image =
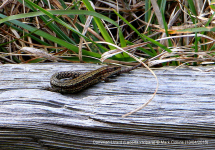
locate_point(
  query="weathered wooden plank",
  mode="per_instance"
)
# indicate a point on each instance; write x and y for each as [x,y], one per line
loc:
[183,109]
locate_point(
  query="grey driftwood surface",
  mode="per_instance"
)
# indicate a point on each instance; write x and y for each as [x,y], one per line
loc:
[180,116]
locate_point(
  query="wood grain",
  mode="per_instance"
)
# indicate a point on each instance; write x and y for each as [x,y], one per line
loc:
[183,110]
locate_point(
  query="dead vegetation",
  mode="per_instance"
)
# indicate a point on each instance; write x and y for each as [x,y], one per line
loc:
[183,28]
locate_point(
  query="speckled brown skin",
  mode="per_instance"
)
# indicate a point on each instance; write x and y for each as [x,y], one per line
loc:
[73,82]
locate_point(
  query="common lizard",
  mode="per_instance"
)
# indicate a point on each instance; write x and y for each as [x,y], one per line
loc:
[73,82]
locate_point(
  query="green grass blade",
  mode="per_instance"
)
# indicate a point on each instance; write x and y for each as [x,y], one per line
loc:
[192,7]
[144,37]
[99,24]
[52,38]
[53,27]
[163,5]
[59,12]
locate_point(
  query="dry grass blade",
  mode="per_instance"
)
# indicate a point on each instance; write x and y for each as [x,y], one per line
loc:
[157,12]
[38,53]
[88,22]
[176,50]
[5,2]
[141,107]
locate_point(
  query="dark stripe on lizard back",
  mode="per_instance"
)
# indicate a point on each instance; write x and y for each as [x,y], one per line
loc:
[73,82]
